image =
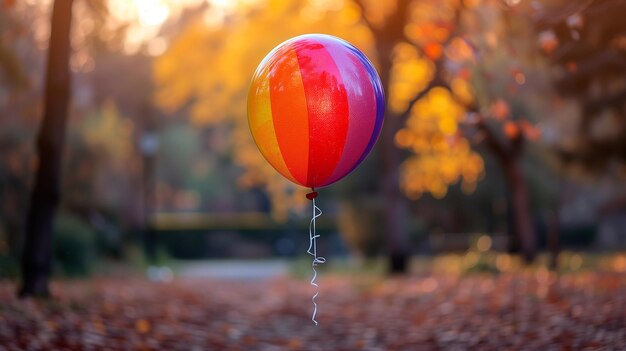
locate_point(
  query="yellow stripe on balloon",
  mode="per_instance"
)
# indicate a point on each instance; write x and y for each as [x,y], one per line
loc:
[290,114]
[262,126]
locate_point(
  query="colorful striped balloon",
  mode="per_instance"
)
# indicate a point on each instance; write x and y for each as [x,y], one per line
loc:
[315,108]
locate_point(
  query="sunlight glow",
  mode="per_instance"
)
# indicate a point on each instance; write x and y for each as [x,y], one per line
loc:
[144,18]
[152,12]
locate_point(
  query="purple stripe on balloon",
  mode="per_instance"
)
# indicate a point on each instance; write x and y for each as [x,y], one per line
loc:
[380,102]
[362,113]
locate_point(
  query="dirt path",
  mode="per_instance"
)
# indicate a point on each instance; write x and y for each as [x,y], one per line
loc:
[515,312]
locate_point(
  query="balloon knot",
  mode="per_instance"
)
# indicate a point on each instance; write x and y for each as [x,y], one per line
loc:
[312,195]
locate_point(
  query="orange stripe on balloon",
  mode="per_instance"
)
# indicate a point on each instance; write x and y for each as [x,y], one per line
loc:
[289,111]
[262,125]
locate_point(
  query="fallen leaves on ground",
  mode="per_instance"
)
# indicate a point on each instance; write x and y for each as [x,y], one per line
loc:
[518,311]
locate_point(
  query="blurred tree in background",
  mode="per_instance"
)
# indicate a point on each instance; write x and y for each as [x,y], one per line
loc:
[585,40]
[37,256]
[100,144]
[17,51]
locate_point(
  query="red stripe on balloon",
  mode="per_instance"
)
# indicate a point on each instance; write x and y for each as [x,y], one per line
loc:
[289,113]
[327,105]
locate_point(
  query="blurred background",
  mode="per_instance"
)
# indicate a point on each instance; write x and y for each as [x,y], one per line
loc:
[504,135]
[491,212]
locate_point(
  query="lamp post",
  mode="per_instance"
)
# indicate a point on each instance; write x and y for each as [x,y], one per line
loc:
[149,145]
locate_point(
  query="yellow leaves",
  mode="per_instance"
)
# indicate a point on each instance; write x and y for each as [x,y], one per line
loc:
[435,172]
[208,68]
[409,75]
[421,174]
[110,132]
[186,70]
[474,168]
[447,126]
[436,113]
[462,91]
[351,14]
[442,156]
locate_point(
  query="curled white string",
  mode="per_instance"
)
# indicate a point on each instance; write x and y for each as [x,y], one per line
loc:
[316,259]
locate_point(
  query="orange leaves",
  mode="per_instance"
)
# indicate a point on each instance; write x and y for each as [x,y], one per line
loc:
[548,41]
[514,129]
[404,138]
[571,66]
[531,132]
[433,50]
[619,264]
[500,110]
[444,306]
[377,12]
[142,326]
[294,344]
[8,3]
[519,77]
[426,32]
[511,130]
[430,21]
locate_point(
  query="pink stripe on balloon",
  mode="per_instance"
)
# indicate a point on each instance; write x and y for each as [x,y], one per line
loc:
[362,112]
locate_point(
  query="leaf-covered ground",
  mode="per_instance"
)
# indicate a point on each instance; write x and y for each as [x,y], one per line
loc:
[520,311]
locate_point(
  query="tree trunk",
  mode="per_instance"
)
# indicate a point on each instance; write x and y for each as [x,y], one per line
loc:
[37,254]
[520,213]
[395,205]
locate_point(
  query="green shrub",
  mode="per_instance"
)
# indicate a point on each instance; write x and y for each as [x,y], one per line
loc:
[9,267]
[73,246]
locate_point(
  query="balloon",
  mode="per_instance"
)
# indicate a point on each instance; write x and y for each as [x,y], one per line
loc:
[315,108]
